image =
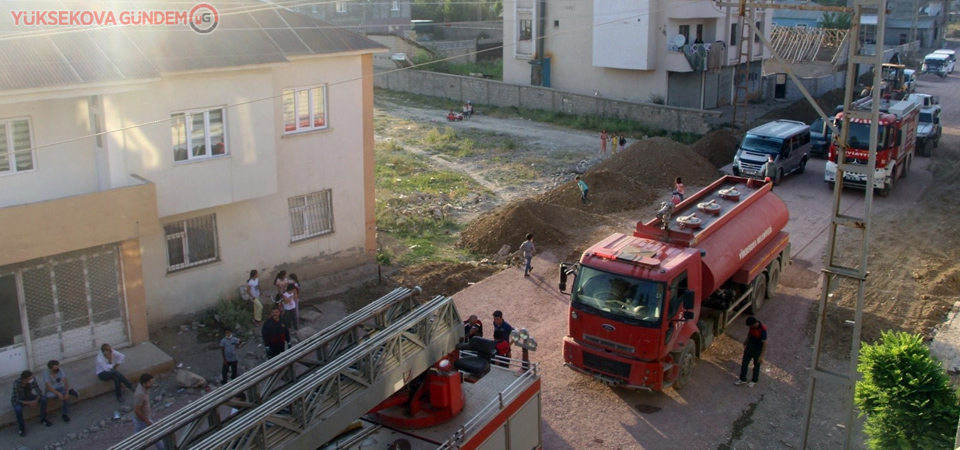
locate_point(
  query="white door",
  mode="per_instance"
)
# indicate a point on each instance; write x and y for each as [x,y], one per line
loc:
[13,352]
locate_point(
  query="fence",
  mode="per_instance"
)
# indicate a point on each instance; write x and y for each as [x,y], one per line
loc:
[498,93]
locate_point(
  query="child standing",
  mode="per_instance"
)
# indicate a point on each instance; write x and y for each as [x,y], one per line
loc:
[228,349]
[623,142]
[583,190]
[603,141]
[678,188]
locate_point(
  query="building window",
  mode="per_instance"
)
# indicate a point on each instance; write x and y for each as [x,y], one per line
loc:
[198,134]
[799,25]
[341,7]
[526,30]
[734,37]
[757,31]
[396,6]
[94,107]
[191,242]
[304,109]
[685,32]
[313,9]
[16,149]
[311,215]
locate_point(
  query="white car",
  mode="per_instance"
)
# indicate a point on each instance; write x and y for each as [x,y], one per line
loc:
[937,63]
[952,54]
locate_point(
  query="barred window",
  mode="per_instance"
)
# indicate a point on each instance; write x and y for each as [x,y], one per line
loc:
[311,215]
[526,29]
[304,109]
[16,150]
[198,134]
[191,242]
[341,7]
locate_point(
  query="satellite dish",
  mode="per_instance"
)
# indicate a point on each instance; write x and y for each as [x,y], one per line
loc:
[679,40]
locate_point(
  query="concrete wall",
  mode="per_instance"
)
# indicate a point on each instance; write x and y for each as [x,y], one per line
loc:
[489,92]
[816,86]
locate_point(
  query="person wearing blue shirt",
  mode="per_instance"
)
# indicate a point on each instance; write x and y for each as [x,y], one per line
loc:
[583,190]
[500,324]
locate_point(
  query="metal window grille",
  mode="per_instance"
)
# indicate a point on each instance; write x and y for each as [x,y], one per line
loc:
[74,302]
[16,154]
[311,215]
[191,242]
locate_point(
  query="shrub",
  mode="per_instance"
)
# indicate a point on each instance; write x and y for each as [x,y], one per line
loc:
[234,312]
[906,395]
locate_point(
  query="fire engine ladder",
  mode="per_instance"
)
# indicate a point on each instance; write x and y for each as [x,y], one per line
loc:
[842,265]
[276,376]
[319,407]
[742,76]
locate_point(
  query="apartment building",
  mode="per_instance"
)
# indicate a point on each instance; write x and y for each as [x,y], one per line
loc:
[681,52]
[250,147]
[382,16]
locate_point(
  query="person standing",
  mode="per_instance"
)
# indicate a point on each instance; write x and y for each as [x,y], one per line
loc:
[275,334]
[472,327]
[26,392]
[228,350]
[528,250]
[107,363]
[141,406]
[753,349]
[623,142]
[58,386]
[253,290]
[281,283]
[500,324]
[295,282]
[469,113]
[678,188]
[603,141]
[583,190]
[289,303]
[770,171]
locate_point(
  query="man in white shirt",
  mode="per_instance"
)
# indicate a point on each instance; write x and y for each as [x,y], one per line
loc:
[107,363]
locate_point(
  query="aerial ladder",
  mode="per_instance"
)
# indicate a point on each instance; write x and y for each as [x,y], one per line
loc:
[396,357]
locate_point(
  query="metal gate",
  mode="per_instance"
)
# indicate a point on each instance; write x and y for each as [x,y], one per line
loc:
[74,302]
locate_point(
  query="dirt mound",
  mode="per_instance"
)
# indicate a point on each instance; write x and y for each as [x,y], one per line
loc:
[444,278]
[656,162]
[718,147]
[610,192]
[551,224]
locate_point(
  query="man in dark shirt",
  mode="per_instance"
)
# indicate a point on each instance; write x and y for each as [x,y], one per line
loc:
[500,324]
[753,348]
[275,334]
[472,327]
[26,392]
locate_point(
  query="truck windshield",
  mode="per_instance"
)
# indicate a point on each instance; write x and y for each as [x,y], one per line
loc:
[759,144]
[860,136]
[633,301]
[926,117]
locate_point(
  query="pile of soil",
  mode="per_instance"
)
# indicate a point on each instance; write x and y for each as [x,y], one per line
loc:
[610,192]
[550,223]
[718,147]
[443,278]
[658,161]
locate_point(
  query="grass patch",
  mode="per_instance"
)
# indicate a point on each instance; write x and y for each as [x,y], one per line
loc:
[489,69]
[630,128]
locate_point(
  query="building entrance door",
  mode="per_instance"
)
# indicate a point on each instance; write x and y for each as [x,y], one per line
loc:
[13,351]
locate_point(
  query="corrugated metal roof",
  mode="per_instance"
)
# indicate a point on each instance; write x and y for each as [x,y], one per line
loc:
[249,33]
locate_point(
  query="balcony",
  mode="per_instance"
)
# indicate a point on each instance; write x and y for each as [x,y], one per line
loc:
[676,60]
[80,221]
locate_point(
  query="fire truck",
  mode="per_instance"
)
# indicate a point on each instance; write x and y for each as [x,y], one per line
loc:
[896,144]
[644,307]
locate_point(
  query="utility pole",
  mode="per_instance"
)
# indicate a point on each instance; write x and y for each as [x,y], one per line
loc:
[913,27]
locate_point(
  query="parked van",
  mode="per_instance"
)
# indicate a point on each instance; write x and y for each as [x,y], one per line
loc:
[788,141]
[952,56]
[820,135]
[938,64]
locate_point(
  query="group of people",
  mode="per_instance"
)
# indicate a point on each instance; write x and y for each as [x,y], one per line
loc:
[473,327]
[466,114]
[287,297]
[617,140]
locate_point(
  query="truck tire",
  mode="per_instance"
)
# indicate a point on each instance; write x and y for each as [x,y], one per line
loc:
[803,166]
[887,187]
[759,293]
[926,149]
[773,275]
[686,360]
[906,166]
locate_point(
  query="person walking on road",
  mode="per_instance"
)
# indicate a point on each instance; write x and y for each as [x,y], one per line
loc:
[57,385]
[275,334]
[141,406]
[622,141]
[769,171]
[108,361]
[253,291]
[753,349]
[528,250]
[583,190]
[26,392]
[228,350]
[603,141]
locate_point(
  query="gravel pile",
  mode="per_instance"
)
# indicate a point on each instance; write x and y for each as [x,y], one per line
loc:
[718,147]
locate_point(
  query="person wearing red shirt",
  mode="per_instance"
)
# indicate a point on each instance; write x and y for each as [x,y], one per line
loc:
[753,349]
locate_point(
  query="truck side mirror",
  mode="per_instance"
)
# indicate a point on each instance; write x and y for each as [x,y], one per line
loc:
[688,300]
[688,315]
[565,270]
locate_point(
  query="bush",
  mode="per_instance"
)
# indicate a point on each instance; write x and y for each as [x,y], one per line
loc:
[906,395]
[234,312]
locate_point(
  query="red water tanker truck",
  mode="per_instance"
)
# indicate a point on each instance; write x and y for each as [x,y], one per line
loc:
[643,307]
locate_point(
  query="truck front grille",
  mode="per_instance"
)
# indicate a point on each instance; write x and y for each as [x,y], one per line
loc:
[606,343]
[605,365]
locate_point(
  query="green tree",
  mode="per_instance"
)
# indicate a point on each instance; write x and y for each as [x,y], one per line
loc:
[835,20]
[906,396]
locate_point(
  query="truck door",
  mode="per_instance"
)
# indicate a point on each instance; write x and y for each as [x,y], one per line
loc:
[678,286]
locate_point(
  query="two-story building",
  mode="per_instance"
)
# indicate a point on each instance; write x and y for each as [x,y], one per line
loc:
[634,50]
[144,171]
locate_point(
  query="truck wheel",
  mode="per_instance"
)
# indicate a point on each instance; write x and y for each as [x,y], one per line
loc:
[906,167]
[686,361]
[927,149]
[773,273]
[887,187]
[759,293]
